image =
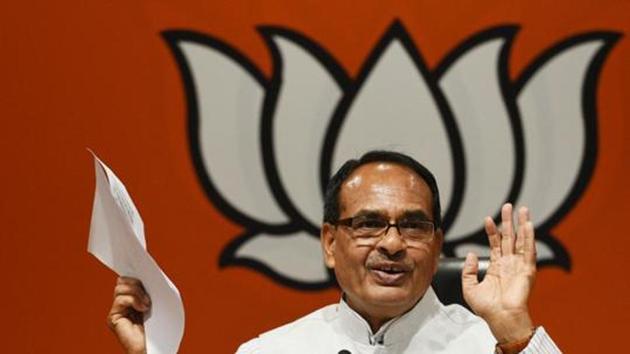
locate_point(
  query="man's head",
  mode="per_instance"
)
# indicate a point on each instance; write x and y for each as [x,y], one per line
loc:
[387,274]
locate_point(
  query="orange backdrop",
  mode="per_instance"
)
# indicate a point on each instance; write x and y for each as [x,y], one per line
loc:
[98,74]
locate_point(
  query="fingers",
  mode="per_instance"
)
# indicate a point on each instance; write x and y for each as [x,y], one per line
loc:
[525,240]
[523,219]
[130,301]
[493,238]
[125,302]
[529,243]
[507,230]
[133,287]
[505,241]
[469,272]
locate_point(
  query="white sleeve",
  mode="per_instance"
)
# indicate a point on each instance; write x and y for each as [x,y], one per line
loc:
[541,343]
[250,347]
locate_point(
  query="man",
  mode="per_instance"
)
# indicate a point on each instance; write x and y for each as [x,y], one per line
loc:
[382,236]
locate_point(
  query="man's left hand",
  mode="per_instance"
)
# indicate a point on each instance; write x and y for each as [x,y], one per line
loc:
[501,298]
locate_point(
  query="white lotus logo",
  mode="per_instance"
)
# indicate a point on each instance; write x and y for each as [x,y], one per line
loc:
[264,146]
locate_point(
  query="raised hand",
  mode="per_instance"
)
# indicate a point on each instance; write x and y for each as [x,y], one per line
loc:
[501,298]
[126,316]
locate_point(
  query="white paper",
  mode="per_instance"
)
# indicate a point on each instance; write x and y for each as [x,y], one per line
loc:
[117,240]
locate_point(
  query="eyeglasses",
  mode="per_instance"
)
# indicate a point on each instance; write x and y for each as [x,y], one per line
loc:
[370,230]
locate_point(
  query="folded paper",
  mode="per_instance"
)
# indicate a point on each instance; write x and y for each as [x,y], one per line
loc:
[117,240]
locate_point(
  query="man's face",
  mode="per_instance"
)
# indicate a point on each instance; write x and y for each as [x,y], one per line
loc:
[389,277]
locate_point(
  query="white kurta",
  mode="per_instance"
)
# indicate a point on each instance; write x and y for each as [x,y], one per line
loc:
[430,327]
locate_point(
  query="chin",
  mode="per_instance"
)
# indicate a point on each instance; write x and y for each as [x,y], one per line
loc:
[393,297]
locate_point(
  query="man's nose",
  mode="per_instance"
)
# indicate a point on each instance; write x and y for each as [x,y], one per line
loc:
[392,243]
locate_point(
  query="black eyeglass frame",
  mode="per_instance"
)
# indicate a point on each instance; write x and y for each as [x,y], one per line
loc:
[348,223]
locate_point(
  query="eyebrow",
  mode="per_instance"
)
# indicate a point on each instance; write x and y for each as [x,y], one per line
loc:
[370,213]
[415,214]
[409,214]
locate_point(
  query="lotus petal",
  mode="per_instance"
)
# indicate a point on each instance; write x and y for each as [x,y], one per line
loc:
[306,99]
[543,251]
[554,128]
[394,108]
[297,257]
[480,250]
[473,88]
[229,100]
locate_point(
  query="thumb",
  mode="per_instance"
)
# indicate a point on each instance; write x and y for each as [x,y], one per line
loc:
[469,272]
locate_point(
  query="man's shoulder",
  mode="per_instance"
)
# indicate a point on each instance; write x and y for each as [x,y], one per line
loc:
[318,318]
[299,331]
[460,324]
[457,314]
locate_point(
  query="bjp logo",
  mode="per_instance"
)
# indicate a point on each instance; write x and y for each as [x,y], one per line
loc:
[264,147]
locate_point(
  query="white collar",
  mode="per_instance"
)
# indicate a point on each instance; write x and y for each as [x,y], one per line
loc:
[399,329]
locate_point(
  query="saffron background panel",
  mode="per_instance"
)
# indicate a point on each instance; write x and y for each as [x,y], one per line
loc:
[100,75]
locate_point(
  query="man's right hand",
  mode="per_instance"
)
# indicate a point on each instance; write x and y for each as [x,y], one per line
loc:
[126,318]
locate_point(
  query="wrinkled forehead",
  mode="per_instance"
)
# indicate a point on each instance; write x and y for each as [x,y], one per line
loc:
[385,186]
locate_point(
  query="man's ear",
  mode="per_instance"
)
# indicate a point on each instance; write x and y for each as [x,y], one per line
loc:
[437,250]
[328,240]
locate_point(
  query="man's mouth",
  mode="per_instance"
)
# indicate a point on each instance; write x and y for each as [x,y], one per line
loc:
[388,274]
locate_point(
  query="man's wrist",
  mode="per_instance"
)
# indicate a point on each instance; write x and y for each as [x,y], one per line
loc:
[516,346]
[511,327]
